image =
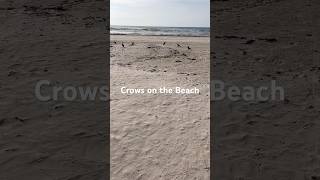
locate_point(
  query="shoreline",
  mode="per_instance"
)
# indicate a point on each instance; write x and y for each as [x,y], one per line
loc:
[158,35]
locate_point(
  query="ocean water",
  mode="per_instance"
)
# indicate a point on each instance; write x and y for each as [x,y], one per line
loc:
[160,31]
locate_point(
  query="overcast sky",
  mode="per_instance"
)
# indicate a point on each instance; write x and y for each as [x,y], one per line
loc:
[176,13]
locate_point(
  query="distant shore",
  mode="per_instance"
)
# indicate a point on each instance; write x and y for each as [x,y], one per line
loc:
[157,35]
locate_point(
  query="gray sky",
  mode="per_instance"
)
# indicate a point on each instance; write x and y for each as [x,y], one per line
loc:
[176,13]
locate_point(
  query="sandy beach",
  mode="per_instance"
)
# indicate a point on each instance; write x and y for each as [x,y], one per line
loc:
[63,42]
[158,136]
[253,43]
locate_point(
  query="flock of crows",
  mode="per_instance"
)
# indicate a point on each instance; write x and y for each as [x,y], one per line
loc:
[164,43]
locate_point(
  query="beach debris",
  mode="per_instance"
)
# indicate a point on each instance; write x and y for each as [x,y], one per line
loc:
[178,61]
[251,122]
[286,101]
[229,37]
[244,52]
[11,149]
[2,121]
[310,107]
[20,119]
[183,73]
[178,45]
[58,106]
[315,68]
[81,133]
[39,159]
[250,41]
[11,73]
[132,44]
[270,40]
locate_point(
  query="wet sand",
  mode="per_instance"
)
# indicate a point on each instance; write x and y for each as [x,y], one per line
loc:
[253,43]
[63,42]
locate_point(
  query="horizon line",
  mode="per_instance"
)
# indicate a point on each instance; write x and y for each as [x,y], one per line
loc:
[162,26]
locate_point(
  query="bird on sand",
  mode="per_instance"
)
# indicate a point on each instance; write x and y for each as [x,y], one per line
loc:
[132,44]
[178,45]
[164,43]
[115,42]
[189,47]
[122,45]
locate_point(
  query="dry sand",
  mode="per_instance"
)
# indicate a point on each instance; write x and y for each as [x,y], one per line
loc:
[159,136]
